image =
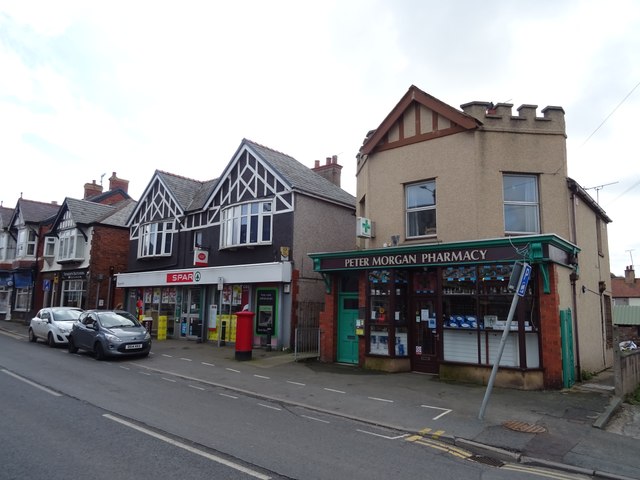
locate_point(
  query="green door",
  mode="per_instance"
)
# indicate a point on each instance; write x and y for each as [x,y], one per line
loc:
[347,338]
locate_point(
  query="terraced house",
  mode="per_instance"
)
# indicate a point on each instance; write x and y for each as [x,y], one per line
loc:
[201,251]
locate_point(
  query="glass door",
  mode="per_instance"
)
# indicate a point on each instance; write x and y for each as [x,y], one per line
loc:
[425,327]
[191,318]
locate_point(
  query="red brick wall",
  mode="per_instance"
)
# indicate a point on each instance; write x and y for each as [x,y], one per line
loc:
[551,343]
[329,324]
[109,248]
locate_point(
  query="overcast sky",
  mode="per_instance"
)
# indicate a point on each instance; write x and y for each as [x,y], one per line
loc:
[92,88]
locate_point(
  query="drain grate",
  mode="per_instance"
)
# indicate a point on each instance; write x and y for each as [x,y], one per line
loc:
[523,427]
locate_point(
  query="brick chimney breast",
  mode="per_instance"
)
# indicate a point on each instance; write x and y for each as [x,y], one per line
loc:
[330,170]
[91,190]
[629,275]
[115,183]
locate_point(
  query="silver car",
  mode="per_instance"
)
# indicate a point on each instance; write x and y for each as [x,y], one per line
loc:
[109,333]
[53,324]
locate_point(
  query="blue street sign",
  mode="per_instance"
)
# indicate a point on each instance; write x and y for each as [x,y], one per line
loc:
[524,280]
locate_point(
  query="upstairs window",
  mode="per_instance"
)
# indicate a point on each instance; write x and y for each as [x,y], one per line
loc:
[246,224]
[49,247]
[7,247]
[156,239]
[521,205]
[26,243]
[71,246]
[421,209]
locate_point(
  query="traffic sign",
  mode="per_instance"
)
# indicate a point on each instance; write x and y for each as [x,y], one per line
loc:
[524,279]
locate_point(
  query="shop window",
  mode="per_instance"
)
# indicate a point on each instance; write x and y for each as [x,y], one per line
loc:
[521,205]
[23,299]
[72,293]
[156,239]
[421,209]
[476,305]
[246,224]
[387,332]
[4,299]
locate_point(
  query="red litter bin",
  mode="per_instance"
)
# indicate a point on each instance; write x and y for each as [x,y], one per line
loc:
[244,335]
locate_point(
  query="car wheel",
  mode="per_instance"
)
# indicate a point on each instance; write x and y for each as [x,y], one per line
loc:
[72,346]
[50,340]
[99,351]
[32,336]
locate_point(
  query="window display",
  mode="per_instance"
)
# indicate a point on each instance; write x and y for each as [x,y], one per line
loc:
[388,313]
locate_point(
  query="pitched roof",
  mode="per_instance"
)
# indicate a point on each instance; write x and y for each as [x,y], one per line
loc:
[87,212]
[5,216]
[621,289]
[35,212]
[460,121]
[190,194]
[299,177]
[626,315]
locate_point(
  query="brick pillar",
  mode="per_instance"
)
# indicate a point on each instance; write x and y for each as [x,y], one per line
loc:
[329,324]
[550,342]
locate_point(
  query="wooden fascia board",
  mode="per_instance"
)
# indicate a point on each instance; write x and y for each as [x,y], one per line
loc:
[416,95]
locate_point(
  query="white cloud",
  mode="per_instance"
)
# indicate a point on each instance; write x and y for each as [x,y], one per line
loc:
[136,86]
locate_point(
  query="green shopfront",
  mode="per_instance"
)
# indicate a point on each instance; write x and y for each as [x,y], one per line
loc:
[442,309]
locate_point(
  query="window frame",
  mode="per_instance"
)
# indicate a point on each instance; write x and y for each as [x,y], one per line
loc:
[49,247]
[239,222]
[162,245]
[522,205]
[23,296]
[417,210]
[27,243]
[70,246]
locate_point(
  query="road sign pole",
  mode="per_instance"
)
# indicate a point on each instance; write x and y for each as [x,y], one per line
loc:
[522,286]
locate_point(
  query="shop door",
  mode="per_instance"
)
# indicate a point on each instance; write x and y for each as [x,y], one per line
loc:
[191,318]
[424,335]
[347,337]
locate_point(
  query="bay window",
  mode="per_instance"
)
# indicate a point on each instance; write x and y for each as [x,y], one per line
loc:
[246,224]
[71,246]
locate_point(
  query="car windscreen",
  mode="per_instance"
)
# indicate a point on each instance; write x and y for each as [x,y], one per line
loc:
[66,315]
[114,320]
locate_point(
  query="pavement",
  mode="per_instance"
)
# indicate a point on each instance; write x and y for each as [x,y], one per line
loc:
[585,430]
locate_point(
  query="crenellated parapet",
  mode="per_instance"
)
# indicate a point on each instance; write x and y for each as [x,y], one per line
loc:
[500,117]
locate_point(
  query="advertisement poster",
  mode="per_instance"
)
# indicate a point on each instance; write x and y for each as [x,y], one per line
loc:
[266,311]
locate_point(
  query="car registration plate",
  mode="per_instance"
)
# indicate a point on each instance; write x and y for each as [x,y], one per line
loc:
[133,346]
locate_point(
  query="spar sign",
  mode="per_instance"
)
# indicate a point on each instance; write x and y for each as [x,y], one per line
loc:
[183,277]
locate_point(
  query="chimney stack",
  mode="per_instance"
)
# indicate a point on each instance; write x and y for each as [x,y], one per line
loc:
[115,183]
[629,275]
[330,170]
[92,189]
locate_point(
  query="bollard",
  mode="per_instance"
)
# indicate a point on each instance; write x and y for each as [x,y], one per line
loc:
[223,334]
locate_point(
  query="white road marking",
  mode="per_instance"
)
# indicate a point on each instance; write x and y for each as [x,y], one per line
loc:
[33,384]
[383,436]
[444,411]
[169,379]
[168,356]
[297,383]
[233,370]
[333,390]
[145,373]
[189,448]
[124,368]
[229,396]
[316,419]
[186,359]
[269,406]
[380,399]
[196,387]
[262,376]
[208,364]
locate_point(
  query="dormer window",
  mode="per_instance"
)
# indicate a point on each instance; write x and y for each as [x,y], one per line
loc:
[246,225]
